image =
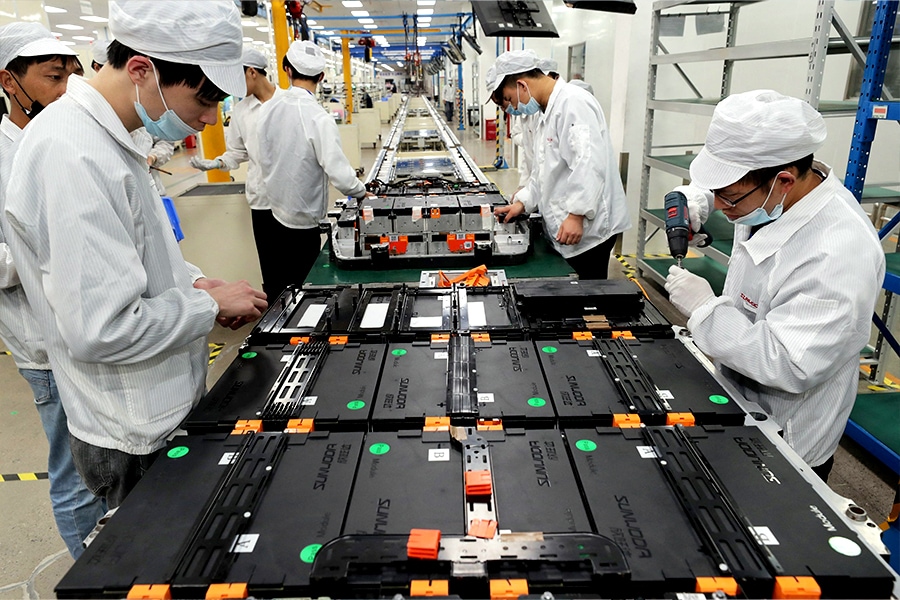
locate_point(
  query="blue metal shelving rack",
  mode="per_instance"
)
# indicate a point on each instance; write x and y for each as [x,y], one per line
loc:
[871,110]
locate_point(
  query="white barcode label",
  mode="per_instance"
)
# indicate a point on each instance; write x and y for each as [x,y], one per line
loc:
[438,454]
[245,542]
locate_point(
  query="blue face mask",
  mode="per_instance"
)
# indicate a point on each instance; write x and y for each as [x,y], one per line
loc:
[760,216]
[530,108]
[169,126]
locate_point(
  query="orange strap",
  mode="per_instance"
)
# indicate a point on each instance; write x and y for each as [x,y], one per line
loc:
[476,277]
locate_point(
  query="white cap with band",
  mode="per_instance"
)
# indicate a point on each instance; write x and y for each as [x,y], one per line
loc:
[206,33]
[28,39]
[254,58]
[98,51]
[511,63]
[306,58]
[755,130]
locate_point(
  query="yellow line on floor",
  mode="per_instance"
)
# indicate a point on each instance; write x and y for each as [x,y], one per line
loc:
[24,476]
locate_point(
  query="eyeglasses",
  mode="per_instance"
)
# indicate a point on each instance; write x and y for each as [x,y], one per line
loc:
[733,203]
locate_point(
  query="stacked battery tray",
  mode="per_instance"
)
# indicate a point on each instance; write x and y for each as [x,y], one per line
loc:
[541,438]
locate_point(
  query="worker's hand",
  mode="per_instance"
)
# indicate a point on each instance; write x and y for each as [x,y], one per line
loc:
[513,197]
[237,300]
[687,291]
[698,212]
[151,160]
[205,164]
[509,212]
[370,195]
[208,283]
[571,230]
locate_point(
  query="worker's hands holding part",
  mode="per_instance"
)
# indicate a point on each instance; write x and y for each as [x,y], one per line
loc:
[509,212]
[687,291]
[238,302]
[570,230]
[205,164]
[698,212]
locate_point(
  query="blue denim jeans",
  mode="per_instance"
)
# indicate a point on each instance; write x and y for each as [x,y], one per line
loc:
[75,508]
[109,473]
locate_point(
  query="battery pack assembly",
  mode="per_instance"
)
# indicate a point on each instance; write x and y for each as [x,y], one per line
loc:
[462,442]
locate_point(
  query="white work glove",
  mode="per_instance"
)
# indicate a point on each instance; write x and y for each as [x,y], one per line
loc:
[698,211]
[205,164]
[687,291]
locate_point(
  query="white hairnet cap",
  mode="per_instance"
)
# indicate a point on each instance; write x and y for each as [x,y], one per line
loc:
[306,58]
[98,51]
[206,33]
[511,63]
[28,39]
[254,58]
[548,65]
[755,130]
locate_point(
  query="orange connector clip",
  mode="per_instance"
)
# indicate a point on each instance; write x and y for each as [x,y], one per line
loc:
[429,588]
[483,528]
[161,591]
[297,340]
[338,340]
[489,425]
[711,585]
[481,338]
[579,336]
[247,426]
[440,339]
[478,483]
[626,421]
[299,426]
[623,334]
[508,589]
[437,424]
[796,587]
[686,419]
[218,591]
[423,543]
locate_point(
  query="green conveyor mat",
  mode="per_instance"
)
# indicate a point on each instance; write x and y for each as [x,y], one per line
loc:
[543,262]
[879,415]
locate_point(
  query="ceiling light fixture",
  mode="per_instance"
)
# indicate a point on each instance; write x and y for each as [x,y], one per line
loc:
[425,11]
[366,20]
[70,27]
[263,29]
[353,4]
[54,10]
[83,38]
[425,2]
[248,39]
[94,19]
[248,23]
[359,13]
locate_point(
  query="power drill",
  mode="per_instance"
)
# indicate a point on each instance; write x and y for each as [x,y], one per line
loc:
[678,226]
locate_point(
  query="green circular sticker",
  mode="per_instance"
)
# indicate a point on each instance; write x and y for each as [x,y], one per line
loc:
[586,445]
[398,352]
[248,355]
[178,451]
[379,448]
[549,349]
[355,404]
[309,553]
[537,402]
[13,412]
[716,399]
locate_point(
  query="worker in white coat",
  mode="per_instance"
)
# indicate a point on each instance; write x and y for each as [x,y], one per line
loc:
[124,319]
[242,145]
[578,81]
[300,152]
[33,72]
[98,54]
[576,184]
[448,95]
[522,130]
[805,270]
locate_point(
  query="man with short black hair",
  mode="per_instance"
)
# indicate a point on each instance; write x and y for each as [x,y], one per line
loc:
[242,145]
[34,69]
[124,316]
[300,152]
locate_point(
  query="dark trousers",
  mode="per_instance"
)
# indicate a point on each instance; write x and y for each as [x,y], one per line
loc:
[108,473]
[448,110]
[286,255]
[593,263]
[824,469]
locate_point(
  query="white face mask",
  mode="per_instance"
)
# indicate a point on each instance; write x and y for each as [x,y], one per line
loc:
[760,216]
[169,126]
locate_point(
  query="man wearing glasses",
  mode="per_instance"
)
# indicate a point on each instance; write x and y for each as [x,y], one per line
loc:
[805,270]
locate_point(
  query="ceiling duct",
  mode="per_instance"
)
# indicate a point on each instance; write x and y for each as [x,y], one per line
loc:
[626,7]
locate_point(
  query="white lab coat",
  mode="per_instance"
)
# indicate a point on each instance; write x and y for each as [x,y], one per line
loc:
[242,145]
[161,149]
[583,85]
[125,329]
[575,171]
[299,152]
[448,93]
[794,314]
[19,330]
